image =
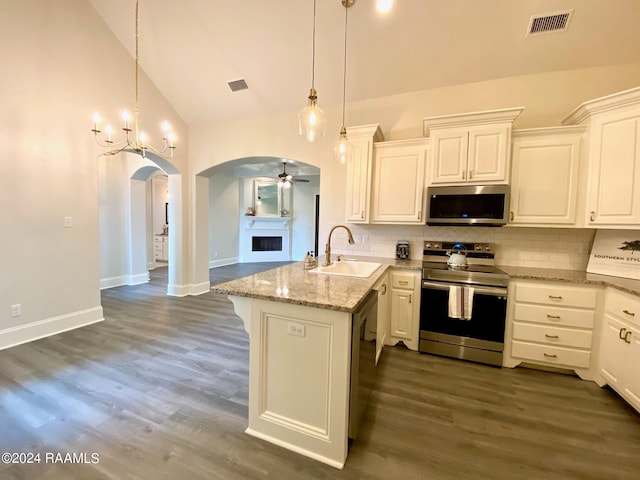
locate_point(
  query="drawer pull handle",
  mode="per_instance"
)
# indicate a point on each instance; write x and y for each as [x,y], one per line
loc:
[511,216]
[403,282]
[555,297]
[384,289]
[551,336]
[621,334]
[629,313]
[555,317]
[550,355]
[409,298]
[362,214]
[592,216]
[625,337]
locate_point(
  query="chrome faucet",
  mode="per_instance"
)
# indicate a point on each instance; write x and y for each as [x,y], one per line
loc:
[327,251]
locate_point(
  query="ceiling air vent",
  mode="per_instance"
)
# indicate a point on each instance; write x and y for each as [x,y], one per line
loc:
[550,22]
[236,85]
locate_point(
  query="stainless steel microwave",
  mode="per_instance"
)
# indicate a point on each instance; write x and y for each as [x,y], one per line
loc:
[479,205]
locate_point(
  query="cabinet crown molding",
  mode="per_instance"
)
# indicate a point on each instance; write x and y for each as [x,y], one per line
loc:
[470,119]
[366,131]
[545,131]
[603,104]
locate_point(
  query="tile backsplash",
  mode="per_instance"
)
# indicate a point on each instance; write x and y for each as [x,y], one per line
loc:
[565,248]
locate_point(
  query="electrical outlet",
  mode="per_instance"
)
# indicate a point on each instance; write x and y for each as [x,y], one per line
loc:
[296,329]
[215,254]
[68,222]
[357,238]
[365,239]
[16,310]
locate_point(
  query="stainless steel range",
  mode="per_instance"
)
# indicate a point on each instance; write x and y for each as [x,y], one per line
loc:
[464,302]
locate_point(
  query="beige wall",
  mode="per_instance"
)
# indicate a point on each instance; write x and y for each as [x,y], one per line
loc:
[60,64]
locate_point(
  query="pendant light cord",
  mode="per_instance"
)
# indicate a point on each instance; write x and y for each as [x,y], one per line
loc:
[313,47]
[344,73]
[137,107]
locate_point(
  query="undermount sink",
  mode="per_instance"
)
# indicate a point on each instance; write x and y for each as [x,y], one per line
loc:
[348,268]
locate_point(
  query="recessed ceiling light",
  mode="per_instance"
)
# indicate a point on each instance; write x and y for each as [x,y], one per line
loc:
[384,6]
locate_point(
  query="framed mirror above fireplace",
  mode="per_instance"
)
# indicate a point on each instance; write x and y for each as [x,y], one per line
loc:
[269,200]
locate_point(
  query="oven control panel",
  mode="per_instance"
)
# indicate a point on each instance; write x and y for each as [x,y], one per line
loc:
[435,247]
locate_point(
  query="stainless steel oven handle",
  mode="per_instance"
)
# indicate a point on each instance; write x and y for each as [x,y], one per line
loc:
[480,290]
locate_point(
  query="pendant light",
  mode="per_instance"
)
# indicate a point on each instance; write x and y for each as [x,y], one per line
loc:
[139,143]
[343,149]
[311,119]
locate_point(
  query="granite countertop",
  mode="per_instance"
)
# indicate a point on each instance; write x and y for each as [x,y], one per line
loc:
[293,284]
[627,285]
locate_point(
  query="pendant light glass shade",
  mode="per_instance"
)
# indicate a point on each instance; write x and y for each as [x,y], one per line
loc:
[312,119]
[343,149]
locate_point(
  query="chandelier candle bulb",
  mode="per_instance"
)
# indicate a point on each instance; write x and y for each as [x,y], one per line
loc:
[108,130]
[96,121]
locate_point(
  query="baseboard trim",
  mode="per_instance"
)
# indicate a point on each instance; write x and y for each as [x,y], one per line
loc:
[177,290]
[120,280]
[200,288]
[113,282]
[18,335]
[223,261]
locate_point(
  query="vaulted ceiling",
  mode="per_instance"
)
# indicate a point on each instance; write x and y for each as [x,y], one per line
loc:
[192,48]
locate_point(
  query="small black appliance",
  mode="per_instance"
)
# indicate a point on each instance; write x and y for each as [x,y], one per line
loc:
[402,250]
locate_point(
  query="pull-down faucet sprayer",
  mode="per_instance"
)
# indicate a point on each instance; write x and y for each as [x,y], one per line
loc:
[327,250]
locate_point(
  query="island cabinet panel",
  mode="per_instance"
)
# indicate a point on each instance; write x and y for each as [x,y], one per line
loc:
[552,324]
[620,345]
[299,377]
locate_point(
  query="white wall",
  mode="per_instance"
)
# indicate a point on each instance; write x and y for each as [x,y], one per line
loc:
[304,217]
[224,214]
[60,65]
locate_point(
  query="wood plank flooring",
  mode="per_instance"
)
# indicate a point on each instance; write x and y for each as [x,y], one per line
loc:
[159,391]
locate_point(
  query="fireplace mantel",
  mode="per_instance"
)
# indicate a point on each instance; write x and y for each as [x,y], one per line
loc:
[256,226]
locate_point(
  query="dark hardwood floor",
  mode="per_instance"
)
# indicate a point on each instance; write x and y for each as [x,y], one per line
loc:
[159,391]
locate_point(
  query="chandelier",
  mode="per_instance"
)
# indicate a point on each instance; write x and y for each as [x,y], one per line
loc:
[134,139]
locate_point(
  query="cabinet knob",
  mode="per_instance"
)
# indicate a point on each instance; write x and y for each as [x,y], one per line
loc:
[629,313]
[592,216]
[628,334]
[621,334]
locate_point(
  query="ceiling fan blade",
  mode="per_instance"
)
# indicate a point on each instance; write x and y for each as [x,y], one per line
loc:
[296,180]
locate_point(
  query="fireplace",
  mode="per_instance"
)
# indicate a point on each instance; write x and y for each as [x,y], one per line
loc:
[266,244]
[265,239]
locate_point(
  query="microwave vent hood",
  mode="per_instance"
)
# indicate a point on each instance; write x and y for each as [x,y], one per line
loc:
[474,206]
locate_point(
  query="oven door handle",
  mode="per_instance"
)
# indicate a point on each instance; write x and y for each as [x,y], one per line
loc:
[480,290]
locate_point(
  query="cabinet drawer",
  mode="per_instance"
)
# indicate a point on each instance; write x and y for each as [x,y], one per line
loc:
[553,355]
[623,305]
[403,280]
[558,316]
[559,295]
[552,335]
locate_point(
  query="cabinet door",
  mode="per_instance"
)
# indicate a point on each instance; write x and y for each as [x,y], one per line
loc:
[612,350]
[614,173]
[632,367]
[402,313]
[358,181]
[398,182]
[448,155]
[488,153]
[544,180]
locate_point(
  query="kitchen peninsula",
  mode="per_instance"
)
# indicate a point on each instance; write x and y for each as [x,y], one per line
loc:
[299,324]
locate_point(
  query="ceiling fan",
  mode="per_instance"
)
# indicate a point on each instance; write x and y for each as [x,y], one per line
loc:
[286,179]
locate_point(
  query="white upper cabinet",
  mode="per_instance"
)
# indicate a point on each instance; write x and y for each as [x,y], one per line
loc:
[359,172]
[613,188]
[545,173]
[398,182]
[472,148]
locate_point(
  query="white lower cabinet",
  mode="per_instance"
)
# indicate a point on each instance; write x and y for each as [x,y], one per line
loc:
[620,345]
[161,248]
[551,324]
[404,320]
